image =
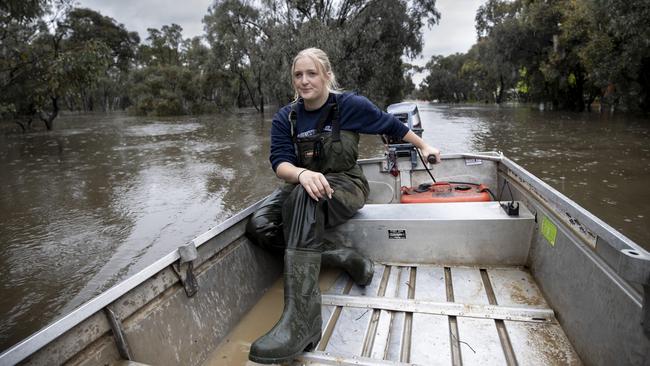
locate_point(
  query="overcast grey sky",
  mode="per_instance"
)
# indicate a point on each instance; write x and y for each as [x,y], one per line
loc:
[455,33]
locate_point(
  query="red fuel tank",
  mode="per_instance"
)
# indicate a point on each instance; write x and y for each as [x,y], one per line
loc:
[445,192]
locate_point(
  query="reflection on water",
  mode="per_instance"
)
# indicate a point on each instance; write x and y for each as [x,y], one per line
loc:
[99,198]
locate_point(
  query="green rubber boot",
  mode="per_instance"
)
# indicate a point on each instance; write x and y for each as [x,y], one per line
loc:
[360,268]
[299,327]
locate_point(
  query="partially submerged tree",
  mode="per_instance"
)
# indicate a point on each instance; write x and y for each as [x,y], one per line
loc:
[43,66]
[59,56]
[567,53]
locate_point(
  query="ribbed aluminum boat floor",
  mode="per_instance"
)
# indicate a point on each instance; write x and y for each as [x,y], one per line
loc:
[434,315]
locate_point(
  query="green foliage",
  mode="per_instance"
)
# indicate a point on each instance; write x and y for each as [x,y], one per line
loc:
[166,90]
[569,53]
[50,67]
[522,86]
[22,10]
[59,56]
[616,52]
[382,31]
[564,52]
[448,78]
[84,25]
[364,39]
[164,46]
[44,67]
[73,68]
[235,34]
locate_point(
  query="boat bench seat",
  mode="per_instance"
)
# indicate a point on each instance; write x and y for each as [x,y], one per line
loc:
[471,233]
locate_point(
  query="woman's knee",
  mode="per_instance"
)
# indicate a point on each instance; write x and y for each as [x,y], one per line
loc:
[265,225]
[254,227]
[265,232]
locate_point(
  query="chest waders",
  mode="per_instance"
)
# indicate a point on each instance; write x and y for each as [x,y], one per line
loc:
[290,220]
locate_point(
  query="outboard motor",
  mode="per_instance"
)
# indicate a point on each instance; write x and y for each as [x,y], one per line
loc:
[408,114]
[433,192]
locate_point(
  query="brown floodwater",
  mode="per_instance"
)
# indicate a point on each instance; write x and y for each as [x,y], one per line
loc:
[102,196]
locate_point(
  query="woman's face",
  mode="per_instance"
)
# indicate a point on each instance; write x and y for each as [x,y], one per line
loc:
[309,80]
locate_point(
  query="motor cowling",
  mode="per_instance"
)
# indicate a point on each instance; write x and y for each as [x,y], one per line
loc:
[408,114]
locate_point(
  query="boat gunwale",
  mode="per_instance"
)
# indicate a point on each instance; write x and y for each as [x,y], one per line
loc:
[485,155]
[562,202]
[610,249]
[52,331]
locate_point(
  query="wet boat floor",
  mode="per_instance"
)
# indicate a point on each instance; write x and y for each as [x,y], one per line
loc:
[421,314]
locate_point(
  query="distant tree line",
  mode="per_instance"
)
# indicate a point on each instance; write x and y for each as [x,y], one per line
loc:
[567,53]
[57,57]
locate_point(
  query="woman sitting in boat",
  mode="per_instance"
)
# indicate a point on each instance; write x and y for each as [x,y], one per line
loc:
[314,149]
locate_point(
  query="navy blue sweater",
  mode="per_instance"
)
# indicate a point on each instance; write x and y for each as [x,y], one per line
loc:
[356,113]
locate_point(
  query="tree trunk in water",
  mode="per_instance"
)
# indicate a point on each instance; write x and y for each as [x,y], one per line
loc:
[49,119]
[644,81]
[106,103]
[248,89]
[259,90]
[240,96]
[580,90]
[500,93]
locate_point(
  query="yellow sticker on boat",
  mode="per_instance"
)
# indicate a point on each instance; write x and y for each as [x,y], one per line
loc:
[549,230]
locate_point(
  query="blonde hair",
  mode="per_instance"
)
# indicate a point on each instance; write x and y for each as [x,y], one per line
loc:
[320,58]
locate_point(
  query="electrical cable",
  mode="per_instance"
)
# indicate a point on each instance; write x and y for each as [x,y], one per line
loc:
[425,164]
[505,184]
